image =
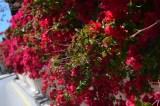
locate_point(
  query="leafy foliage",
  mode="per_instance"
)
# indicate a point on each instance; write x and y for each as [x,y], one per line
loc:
[84,50]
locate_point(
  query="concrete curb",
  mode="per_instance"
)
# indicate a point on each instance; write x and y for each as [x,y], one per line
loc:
[25,93]
[6,76]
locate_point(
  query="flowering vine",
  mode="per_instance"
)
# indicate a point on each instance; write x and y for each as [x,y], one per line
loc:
[88,52]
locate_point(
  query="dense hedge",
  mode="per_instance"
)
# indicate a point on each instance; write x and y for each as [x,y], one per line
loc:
[88,52]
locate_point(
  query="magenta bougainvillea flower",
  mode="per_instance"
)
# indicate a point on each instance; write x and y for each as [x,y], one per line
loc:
[88,52]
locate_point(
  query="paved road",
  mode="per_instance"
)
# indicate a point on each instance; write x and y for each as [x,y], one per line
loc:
[8,95]
[13,94]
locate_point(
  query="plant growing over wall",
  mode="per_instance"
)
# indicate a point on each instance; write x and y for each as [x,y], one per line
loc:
[90,52]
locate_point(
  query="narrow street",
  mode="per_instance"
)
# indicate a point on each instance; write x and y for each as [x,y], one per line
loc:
[17,93]
[9,94]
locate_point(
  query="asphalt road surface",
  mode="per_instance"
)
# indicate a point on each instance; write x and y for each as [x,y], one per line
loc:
[8,94]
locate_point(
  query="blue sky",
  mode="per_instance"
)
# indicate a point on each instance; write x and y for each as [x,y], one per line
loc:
[5,16]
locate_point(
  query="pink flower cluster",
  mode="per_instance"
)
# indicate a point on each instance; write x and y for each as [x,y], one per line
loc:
[86,51]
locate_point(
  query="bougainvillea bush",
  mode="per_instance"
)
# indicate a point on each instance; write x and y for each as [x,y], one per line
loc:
[88,52]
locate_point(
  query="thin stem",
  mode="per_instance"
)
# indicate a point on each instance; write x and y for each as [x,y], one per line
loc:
[154,102]
[144,29]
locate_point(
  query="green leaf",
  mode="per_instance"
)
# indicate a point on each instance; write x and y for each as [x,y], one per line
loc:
[140,103]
